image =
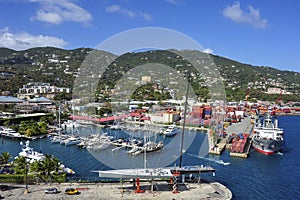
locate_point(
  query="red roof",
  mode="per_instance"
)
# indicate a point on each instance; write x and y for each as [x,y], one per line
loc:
[95,119]
[145,118]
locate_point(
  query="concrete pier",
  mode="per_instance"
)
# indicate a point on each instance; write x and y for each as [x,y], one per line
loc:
[125,190]
[244,126]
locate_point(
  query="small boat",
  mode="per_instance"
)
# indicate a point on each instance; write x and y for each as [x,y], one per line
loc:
[116,149]
[102,146]
[8,132]
[171,130]
[98,142]
[116,126]
[56,139]
[72,141]
[85,123]
[67,170]
[152,146]
[69,124]
[82,144]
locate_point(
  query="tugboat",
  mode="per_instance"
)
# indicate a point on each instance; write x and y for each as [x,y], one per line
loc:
[267,137]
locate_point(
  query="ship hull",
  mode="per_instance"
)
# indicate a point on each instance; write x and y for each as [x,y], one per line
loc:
[267,146]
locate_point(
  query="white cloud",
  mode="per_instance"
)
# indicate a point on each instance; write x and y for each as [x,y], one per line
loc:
[208,50]
[118,9]
[50,17]
[146,16]
[59,11]
[175,2]
[252,17]
[113,8]
[24,40]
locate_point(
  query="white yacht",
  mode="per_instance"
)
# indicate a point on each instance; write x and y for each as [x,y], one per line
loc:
[30,154]
[8,132]
[171,130]
[72,141]
[69,124]
[33,156]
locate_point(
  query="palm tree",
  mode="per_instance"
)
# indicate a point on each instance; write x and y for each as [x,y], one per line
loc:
[20,165]
[47,168]
[4,158]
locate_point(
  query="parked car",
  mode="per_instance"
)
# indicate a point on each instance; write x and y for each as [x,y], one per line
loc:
[4,187]
[72,191]
[52,190]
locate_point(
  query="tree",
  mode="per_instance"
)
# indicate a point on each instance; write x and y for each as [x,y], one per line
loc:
[4,158]
[20,165]
[46,169]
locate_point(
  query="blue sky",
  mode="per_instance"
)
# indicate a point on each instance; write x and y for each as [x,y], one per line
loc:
[263,33]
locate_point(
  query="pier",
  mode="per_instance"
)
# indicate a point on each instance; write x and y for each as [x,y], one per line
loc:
[245,126]
[123,190]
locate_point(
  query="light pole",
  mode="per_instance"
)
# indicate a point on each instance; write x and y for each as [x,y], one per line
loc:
[26,172]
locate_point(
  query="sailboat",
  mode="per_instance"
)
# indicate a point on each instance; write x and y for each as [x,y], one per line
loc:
[57,138]
[164,172]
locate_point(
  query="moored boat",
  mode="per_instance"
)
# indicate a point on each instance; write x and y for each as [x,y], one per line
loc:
[29,153]
[8,132]
[171,130]
[31,156]
[72,141]
[267,137]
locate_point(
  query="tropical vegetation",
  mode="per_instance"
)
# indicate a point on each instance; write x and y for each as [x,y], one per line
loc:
[46,170]
[34,65]
[4,158]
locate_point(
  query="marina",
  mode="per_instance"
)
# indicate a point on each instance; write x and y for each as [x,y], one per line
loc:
[123,100]
[224,164]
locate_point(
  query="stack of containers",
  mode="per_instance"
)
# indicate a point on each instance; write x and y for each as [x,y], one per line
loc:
[239,143]
[207,112]
[197,112]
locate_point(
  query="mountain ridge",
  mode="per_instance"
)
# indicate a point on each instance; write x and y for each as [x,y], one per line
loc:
[60,67]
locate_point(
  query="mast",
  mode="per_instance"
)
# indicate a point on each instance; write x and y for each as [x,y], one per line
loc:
[184,118]
[145,151]
[59,125]
[73,121]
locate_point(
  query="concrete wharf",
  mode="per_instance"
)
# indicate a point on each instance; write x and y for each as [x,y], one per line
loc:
[244,126]
[123,190]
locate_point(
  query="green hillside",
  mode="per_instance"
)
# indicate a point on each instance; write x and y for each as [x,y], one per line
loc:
[60,67]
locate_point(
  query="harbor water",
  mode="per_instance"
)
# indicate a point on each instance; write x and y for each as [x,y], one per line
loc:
[257,177]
